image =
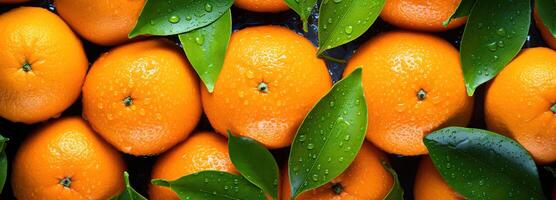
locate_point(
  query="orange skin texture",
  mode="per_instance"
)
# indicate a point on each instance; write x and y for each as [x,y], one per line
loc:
[202,151]
[262,5]
[518,103]
[545,33]
[364,179]
[421,15]
[166,102]
[283,60]
[429,184]
[13,1]
[104,22]
[67,148]
[396,66]
[39,38]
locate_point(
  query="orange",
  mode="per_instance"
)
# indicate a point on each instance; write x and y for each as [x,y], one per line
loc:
[42,65]
[104,22]
[270,80]
[364,179]
[66,160]
[545,33]
[520,103]
[13,1]
[429,184]
[262,5]
[413,85]
[142,97]
[421,15]
[202,151]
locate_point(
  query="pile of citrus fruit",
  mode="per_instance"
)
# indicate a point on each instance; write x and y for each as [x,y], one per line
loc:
[83,101]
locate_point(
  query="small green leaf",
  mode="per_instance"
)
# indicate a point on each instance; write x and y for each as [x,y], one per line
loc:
[178,16]
[206,48]
[129,193]
[343,21]
[303,8]
[255,163]
[547,13]
[214,185]
[495,32]
[330,136]
[3,162]
[479,164]
[396,192]
[464,8]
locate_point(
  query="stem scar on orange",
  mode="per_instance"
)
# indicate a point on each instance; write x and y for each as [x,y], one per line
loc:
[413,85]
[66,160]
[270,80]
[42,65]
[142,97]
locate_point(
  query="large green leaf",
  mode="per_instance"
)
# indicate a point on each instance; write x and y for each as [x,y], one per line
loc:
[547,12]
[396,192]
[480,164]
[255,163]
[303,8]
[214,185]
[341,21]
[330,136]
[464,8]
[206,48]
[129,193]
[495,32]
[171,17]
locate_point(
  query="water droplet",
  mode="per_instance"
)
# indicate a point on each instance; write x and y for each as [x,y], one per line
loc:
[208,7]
[310,146]
[315,177]
[492,46]
[346,138]
[348,29]
[331,104]
[337,1]
[174,19]
[199,40]
[501,32]
[301,138]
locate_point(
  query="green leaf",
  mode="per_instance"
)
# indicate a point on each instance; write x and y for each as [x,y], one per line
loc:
[464,8]
[3,162]
[206,48]
[396,192]
[495,32]
[547,13]
[129,193]
[343,21]
[330,136]
[214,185]
[303,8]
[255,163]
[479,164]
[160,17]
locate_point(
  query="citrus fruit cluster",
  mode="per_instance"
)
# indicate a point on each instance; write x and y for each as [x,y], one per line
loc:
[142,98]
